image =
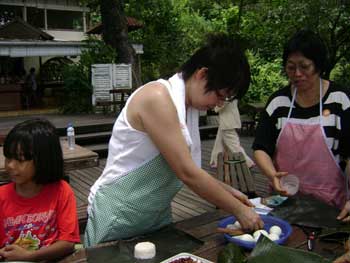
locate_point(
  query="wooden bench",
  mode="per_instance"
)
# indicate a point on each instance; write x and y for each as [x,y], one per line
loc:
[233,170]
[115,102]
[248,125]
[82,217]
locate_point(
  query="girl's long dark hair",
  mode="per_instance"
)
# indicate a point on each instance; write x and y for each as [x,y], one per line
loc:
[37,140]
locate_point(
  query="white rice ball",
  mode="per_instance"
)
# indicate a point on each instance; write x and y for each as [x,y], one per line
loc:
[232,226]
[237,225]
[273,237]
[257,234]
[245,237]
[144,250]
[275,230]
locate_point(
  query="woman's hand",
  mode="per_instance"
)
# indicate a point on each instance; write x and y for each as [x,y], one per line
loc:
[344,214]
[266,165]
[276,183]
[15,253]
[241,197]
[249,219]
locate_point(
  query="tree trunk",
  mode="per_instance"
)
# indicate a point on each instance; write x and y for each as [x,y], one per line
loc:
[115,32]
[240,11]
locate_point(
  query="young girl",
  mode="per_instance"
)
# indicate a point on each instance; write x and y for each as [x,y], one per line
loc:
[38,219]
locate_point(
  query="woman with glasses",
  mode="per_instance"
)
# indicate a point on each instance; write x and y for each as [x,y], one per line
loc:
[155,148]
[305,127]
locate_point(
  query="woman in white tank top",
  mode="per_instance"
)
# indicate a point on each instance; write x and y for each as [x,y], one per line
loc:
[155,148]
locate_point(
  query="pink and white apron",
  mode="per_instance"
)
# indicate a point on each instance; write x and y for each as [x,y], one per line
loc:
[302,150]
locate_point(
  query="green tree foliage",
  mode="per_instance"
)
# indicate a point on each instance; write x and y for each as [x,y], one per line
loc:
[341,73]
[268,25]
[159,36]
[77,90]
[267,77]
[174,29]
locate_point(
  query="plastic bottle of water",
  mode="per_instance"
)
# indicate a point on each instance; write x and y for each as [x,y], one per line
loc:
[71,136]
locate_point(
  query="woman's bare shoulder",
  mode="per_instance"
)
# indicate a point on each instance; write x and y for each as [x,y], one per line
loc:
[152,92]
[155,88]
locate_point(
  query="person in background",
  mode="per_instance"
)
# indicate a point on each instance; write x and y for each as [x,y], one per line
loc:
[38,219]
[32,88]
[155,148]
[227,136]
[305,127]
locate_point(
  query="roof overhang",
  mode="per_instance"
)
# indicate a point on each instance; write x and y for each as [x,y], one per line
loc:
[40,48]
[37,48]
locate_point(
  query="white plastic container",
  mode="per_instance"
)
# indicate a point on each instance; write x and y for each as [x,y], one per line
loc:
[290,183]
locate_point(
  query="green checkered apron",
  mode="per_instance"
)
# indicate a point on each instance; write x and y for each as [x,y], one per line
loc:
[134,204]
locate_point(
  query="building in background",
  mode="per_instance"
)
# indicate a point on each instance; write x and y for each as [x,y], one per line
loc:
[44,34]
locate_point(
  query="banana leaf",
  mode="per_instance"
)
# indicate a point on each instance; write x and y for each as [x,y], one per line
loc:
[305,210]
[267,251]
[231,254]
[339,234]
[169,241]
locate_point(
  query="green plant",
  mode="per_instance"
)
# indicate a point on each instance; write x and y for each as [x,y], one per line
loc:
[341,73]
[76,97]
[267,77]
[77,91]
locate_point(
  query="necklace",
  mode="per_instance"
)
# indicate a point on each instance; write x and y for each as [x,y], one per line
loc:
[311,97]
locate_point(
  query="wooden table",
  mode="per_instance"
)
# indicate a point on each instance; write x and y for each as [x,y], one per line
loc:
[10,97]
[204,227]
[78,158]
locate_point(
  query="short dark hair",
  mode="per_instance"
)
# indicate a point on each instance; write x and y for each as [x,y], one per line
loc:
[37,140]
[228,67]
[310,45]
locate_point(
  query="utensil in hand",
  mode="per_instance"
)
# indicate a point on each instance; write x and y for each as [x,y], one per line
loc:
[230,231]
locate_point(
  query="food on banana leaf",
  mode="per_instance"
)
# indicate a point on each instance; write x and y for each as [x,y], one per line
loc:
[267,251]
[257,234]
[275,230]
[273,237]
[245,237]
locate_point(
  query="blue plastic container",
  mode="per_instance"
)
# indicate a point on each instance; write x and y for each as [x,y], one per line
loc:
[269,221]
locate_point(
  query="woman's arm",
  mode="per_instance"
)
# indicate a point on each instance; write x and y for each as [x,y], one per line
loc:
[152,110]
[237,194]
[264,162]
[264,147]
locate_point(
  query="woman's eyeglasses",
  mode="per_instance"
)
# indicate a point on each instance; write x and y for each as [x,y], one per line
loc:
[224,97]
[303,67]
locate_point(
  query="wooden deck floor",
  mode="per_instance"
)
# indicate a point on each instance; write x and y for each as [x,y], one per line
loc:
[186,203]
